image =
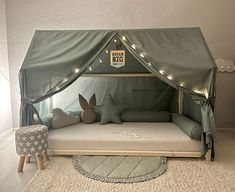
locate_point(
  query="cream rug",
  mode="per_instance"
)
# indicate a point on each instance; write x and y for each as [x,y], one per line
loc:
[182,175]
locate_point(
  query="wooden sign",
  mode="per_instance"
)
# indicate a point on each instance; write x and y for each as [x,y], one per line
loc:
[117,58]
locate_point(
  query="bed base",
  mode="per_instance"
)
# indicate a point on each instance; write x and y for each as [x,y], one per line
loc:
[130,153]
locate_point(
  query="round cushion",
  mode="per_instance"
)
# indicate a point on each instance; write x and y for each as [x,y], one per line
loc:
[31,140]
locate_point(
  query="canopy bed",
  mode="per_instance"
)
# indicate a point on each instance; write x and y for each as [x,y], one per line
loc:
[164,75]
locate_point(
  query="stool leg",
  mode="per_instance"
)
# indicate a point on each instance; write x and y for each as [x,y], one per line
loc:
[27,159]
[45,155]
[21,164]
[40,162]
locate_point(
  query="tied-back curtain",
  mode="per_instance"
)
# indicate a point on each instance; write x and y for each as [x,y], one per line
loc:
[178,56]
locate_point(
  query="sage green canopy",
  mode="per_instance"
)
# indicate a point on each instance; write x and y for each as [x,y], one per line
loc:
[177,56]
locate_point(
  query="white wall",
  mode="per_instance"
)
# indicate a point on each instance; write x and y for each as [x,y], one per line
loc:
[5,104]
[215,17]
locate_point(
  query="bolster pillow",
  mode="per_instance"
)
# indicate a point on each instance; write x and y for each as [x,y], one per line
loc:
[188,126]
[146,116]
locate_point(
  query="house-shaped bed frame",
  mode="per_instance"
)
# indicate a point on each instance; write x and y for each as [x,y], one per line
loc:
[178,56]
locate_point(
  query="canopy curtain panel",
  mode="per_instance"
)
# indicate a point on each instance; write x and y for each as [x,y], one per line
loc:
[178,56]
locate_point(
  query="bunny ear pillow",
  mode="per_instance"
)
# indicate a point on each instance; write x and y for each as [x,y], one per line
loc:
[88,115]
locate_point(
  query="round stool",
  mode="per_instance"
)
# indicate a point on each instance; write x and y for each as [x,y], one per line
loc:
[31,141]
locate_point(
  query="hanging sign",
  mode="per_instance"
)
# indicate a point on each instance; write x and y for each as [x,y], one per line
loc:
[117,58]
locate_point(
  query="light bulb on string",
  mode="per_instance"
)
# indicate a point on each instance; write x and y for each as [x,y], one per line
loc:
[181,84]
[76,70]
[142,55]
[115,41]
[162,72]
[106,51]
[123,38]
[170,77]
[100,60]
[133,46]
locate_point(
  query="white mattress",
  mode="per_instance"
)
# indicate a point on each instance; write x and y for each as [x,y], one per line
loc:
[127,136]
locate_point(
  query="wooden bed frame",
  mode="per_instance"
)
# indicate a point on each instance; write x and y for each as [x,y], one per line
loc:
[131,153]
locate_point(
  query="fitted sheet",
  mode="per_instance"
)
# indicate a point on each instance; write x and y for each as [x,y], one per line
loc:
[130,136]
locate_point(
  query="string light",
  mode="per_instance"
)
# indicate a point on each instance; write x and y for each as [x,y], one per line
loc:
[123,38]
[100,60]
[181,84]
[202,91]
[106,51]
[76,70]
[149,64]
[133,46]
[162,72]
[115,40]
[142,55]
[90,68]
[169,77]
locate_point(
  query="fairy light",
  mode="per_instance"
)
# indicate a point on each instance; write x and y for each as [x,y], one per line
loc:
[181,84]
[142,55]
[100,60]
[149,64]
[162,72]
[115,40]
[90,68]
[76,70]
[106,51]
[123,38]
[170,77]
[133,46]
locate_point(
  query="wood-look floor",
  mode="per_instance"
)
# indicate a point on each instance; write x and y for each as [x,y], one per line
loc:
[10,179]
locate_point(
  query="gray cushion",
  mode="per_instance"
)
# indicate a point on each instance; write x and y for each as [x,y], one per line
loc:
[188,126]
[146,116]
[110,112]
[61,119]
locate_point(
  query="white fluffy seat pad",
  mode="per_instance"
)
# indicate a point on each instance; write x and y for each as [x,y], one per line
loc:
[128,136]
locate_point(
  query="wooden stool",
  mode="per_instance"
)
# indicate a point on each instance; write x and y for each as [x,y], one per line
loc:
[31,141]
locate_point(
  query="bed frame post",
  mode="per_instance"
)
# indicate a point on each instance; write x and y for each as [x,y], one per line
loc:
[208,155]
[180,101]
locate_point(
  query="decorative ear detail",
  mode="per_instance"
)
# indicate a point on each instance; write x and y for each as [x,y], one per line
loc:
[92,101]
[89,114]
[83,102]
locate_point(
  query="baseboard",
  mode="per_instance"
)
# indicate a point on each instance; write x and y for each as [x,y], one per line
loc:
[8,132]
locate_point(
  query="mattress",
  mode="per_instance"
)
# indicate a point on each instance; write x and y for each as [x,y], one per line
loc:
[131,136]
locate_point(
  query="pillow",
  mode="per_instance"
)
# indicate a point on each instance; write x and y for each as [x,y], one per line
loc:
[110,112]
[61,119]
[146,116]
[88,115]
[188,126]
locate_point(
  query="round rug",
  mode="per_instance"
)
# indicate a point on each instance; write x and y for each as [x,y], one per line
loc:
[120,169]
